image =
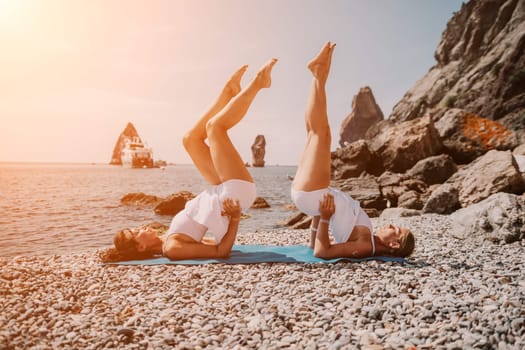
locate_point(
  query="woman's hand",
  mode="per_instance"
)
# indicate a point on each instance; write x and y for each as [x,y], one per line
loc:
[231,208]
[327,206]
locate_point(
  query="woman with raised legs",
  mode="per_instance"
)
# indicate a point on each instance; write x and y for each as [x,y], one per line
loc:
[334,210]
[217,209]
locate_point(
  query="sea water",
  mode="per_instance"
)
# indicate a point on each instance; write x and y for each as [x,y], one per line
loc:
[68,208]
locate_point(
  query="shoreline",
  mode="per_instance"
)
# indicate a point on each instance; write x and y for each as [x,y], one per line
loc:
[456,293]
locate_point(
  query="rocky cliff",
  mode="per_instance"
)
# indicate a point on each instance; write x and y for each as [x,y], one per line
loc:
[454,139]
[129,133]
[480,67]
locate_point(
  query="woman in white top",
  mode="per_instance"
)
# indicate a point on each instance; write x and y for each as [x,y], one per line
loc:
[351,228]
[218,209]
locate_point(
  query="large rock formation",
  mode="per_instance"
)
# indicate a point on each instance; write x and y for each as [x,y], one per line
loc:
[258,151]
[129,133]
[480,67]
[467,136]
[401,145]
[365,113]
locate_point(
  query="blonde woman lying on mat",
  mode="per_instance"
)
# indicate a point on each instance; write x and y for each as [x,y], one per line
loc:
[217,209]
[332,209]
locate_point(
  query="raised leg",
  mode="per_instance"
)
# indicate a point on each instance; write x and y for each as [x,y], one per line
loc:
[313,169]
[194,140]
[227,161]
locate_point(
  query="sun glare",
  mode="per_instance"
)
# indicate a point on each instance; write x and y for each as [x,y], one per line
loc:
[9,11]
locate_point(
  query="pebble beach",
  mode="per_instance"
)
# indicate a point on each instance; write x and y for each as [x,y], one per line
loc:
[453,294]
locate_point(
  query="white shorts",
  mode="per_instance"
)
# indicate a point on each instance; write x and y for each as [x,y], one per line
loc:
[348,212]
[206,208]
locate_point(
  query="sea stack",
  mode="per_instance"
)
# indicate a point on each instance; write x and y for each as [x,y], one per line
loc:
[258,151]
[130,151]
[365,113]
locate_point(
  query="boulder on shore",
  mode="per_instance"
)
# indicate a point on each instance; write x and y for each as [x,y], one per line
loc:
[401,145]
[498,218]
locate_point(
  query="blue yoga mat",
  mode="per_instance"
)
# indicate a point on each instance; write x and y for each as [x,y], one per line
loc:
[253,254]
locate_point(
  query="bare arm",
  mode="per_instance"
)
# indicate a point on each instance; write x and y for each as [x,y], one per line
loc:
[324,248]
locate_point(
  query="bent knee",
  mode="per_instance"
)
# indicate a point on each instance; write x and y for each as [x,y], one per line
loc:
[190,139]
[214,127]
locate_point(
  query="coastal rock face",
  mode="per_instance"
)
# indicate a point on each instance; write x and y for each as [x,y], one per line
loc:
[354,159]
[129,133]
[433,170]
[496,171]
[401,145]
[364,189]
[258,151]
[500,217]
[365,113]
[466,136]
[480,66]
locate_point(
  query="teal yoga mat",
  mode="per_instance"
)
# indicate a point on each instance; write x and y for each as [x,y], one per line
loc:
[254,254]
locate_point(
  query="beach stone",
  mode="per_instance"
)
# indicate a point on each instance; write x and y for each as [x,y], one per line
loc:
[173,203]
[443,200]
[433,170]
[498,218]
[495,171]
[401,145]
[393,213]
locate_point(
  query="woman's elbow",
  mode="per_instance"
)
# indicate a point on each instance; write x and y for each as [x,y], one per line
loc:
[320,252]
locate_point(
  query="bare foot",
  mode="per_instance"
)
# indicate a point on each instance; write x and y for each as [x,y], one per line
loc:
[233,86]
[263,78]
[320,65]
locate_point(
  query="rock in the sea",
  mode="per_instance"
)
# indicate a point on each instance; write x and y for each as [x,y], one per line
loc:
[259,151]
[500,217]
[401,145]
[480,66]
[365,113]
[129,133]
[467,136]
[433,170]
[443,200]
[140,199]
[260,203]
[496,171]
[174,203]
[354,159]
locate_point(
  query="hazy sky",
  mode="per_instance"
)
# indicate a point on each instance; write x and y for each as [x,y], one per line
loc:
[74,72]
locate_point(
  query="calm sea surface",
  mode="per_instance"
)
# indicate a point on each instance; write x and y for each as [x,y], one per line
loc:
[64,208]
